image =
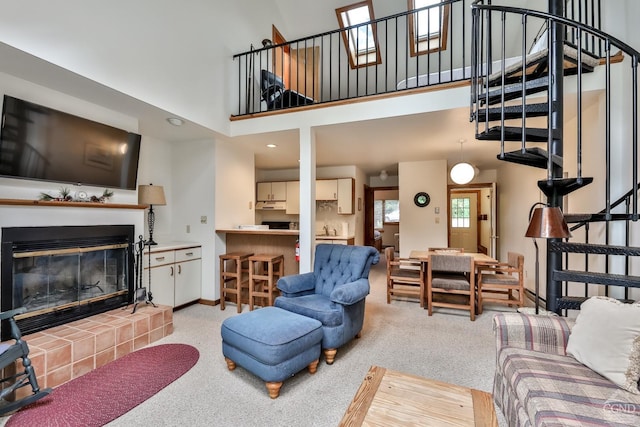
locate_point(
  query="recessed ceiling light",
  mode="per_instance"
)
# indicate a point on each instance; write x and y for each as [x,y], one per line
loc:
[175,121]
[271,145]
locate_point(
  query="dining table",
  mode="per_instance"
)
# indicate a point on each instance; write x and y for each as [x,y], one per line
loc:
[479,258]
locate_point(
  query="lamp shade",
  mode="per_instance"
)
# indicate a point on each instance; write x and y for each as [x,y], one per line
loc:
[462,173]
[548,223]
[151,195]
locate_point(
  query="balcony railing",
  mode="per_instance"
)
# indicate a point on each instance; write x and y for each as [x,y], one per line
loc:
[318,69]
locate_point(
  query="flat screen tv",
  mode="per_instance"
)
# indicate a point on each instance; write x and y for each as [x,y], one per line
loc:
[41,143]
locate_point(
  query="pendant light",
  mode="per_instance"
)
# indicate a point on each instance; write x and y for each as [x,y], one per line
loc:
[462,172]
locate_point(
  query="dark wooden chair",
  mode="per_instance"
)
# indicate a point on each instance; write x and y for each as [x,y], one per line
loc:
[497,282]
[451,278]
[404,277]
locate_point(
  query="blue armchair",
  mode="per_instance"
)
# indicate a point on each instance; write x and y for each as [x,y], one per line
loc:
[334,293]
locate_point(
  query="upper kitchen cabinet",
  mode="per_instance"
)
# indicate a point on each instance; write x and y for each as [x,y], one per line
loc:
[346,190]
[271,191]
[293,198]
[327,189]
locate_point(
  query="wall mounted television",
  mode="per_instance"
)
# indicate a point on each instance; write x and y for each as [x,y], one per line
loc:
[41,143]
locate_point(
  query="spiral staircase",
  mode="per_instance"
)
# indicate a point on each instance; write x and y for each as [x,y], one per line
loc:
[511,104]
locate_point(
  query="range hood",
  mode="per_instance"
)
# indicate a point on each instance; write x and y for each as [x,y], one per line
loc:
[274,206]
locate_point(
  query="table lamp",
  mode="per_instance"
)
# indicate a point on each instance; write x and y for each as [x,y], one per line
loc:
[151,195]
[547,223]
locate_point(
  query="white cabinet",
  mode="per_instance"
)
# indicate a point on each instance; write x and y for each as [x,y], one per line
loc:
[293,198]
[175,274]
[327,189]
[345,196]
[271,191]
[336,241]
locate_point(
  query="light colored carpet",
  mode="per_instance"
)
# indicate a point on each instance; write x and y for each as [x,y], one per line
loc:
[399,336]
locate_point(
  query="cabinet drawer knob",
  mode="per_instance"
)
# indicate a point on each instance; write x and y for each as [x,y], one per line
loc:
[179,269]
[189,254]
[160,258]
[171,271]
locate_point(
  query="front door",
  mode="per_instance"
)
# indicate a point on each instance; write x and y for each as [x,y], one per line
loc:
[464,221]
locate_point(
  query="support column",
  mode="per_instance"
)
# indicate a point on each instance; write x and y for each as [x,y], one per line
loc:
[307,197]
[556,121]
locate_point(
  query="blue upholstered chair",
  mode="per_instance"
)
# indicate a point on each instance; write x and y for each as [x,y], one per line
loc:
[334,293]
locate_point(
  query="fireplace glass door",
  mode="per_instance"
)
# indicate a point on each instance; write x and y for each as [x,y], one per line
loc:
[61,278]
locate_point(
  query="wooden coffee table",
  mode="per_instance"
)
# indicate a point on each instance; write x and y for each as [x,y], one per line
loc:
[391,398]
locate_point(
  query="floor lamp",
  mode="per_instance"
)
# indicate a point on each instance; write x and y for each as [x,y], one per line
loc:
[545,222]
[151,195]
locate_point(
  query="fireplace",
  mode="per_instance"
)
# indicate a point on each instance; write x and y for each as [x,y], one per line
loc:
[62,274]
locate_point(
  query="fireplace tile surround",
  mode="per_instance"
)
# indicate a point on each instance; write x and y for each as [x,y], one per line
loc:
[65,352]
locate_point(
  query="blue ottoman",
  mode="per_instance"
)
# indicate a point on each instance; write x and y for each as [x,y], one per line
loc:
[272,343]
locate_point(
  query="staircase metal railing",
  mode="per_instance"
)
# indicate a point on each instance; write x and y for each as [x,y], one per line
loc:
[525,86]
[525,91]
[331,77]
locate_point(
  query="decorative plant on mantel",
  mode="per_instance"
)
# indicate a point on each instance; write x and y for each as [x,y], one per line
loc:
[80,196]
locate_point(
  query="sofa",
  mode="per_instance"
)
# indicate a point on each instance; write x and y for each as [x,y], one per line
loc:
[537,383]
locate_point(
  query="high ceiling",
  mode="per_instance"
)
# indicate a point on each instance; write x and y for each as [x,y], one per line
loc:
[370,145]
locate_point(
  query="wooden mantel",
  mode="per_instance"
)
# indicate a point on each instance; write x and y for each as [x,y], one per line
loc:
[45,203]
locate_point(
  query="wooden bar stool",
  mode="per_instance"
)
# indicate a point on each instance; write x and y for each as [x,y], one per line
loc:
[264,272]
[234,273]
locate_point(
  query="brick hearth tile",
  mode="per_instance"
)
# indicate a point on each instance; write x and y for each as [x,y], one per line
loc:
[156,320]
[58,376]
[124,331]
[83,345]
[58,354]
[106,356]
[105,337]
[168,329]
[124,348]
[83,366]
[59,331]
[38,340]
[141,326]
[140,341]
[156,334]
[168,314]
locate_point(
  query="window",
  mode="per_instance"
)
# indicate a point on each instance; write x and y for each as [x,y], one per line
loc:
[460,212]
[361,41]
[428,28]
[385,212]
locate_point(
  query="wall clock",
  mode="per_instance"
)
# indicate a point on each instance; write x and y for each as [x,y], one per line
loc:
[421,199]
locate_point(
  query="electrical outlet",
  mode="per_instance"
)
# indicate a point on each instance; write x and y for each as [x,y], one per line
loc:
[188,229]
[437,220]
[203,219]
[436,210]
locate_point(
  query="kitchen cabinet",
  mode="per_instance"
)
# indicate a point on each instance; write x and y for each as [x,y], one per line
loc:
[271,191]
[335,240]
[327,189]
[293,198]
[176,274]
[345,195]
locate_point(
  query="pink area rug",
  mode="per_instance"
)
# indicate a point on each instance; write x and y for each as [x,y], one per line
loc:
[106,393]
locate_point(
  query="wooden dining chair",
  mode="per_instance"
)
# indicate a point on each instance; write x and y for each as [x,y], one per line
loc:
[496,282]
[405,277]
[451,278]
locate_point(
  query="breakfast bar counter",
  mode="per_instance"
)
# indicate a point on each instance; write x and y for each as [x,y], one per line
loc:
[268,241]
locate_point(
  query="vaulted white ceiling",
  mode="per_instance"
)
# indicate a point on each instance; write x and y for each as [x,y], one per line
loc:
[157,58]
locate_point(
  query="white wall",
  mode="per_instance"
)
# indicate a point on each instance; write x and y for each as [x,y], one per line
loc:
[174,55]
[421,228]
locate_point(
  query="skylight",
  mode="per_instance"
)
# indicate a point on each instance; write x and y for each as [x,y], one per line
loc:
[428,28]
[360,41]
